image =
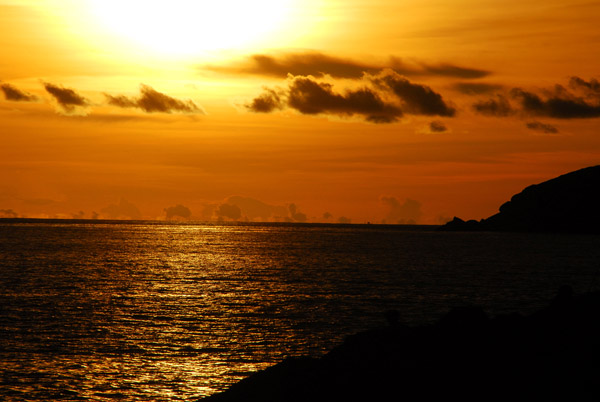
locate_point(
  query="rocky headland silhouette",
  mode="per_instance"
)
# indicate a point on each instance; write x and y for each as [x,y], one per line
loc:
[568,203]
[551,355]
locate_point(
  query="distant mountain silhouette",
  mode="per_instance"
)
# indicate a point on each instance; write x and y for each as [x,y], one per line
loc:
[551,355]
[568,203]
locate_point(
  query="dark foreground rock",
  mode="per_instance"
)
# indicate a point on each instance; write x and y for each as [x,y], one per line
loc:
[552,355]
[568,203]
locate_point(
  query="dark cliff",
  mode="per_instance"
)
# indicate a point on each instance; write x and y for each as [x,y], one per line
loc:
[568,203]
[552,355]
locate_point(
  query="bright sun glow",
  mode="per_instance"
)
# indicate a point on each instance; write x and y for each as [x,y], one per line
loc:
[186,27]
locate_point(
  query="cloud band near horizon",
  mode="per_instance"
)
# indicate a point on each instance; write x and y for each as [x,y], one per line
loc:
[318,65]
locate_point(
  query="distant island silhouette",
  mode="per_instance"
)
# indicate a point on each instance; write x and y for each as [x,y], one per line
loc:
[569,203]
[551,355]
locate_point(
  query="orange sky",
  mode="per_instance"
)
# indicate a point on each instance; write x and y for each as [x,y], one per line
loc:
[322,111]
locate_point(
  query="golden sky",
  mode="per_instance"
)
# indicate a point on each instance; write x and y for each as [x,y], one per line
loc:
[301,110]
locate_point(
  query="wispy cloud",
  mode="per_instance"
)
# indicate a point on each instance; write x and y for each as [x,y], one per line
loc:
[476,88]
[498,106]
[442,69]
[590,88]
[542,127]
[315,64]
[319,64]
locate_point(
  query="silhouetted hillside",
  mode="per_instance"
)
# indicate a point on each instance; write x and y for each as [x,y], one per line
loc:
[552,355]
[568,203]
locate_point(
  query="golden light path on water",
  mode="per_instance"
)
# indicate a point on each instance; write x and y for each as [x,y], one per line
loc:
[197,362]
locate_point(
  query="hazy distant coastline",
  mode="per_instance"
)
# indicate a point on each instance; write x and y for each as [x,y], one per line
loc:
[409,227]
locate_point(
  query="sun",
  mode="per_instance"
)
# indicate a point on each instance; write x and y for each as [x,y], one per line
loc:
[187,27]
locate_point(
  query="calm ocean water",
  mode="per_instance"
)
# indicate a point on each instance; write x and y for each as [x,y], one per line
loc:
[166,312]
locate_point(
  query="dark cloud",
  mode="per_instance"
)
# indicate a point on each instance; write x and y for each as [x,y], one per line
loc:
[498,106]
[311,97]
[530,102]
[381,119]
[408,212]
[229,211]
[267,102]
[344,220]
[437,127]
[12,93]
[544,128]
[560,105]
[416,98]
[581,101]
[178,211]
[152,101]
[315,64]
[476,88]
[308,96]
[67,98]
[123,210]
[319,64]
[8,213]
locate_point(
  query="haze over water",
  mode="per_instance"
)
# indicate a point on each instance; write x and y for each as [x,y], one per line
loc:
[166,312]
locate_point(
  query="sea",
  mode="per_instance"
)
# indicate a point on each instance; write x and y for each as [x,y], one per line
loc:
[158,311]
